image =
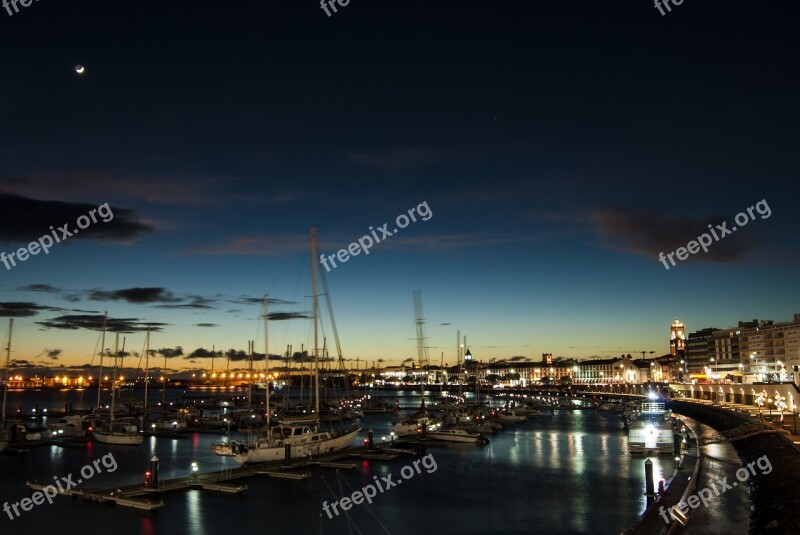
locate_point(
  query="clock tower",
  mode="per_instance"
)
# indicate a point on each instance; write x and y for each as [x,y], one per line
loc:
[677,339]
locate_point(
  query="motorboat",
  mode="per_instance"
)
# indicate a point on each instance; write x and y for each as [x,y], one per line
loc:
[457,434]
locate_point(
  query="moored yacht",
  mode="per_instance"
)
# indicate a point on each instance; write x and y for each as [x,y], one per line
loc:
[296,440]
[457,434]
[303,441]
[652,431]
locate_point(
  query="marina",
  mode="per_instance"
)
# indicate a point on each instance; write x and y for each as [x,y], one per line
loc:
[485,268]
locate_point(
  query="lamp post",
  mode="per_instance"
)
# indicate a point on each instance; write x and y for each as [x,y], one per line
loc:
[759,399]
[713,363]
[777,373]
[780,403]
[683,369]
[754,355]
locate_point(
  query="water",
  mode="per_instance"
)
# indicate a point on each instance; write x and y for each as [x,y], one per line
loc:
[560,473]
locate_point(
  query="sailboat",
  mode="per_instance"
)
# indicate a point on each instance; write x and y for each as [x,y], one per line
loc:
[415,423]
[297,440]
[116,433]
[5,435]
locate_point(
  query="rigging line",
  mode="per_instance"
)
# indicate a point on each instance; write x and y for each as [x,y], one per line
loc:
[346,514]
[94,354]
[350,524]
[369,509]
[144,345]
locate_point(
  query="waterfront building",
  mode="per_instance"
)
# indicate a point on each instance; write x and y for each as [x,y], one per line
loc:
[772,346]
[506,373]
[699,350]
[613,370]
[752,351]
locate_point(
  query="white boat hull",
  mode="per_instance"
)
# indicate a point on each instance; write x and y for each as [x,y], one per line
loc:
[277,452]
[118,439]
[403,429]
[455,436]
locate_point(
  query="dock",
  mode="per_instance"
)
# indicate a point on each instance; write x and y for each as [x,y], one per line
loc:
[137,496]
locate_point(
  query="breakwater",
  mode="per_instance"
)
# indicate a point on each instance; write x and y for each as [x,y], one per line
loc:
[774,500]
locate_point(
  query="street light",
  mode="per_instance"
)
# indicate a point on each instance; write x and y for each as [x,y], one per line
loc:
[759,399]
[754,355]
[780,403]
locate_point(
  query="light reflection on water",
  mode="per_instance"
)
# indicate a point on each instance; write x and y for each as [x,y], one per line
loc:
[560,473]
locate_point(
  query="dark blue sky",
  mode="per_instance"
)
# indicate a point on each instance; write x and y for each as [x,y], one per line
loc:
[560,146]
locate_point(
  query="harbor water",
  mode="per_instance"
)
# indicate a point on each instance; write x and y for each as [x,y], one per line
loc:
[561,472]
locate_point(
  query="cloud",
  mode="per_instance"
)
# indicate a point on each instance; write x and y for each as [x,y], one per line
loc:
[46,288]
[23,309]
[203,353]
[649,233]
[209,325]
[152,295]
[96,322]
[279,316]
[134,295]
[194,301]
[164,189]
[24,220]
[247,300]
[170,352]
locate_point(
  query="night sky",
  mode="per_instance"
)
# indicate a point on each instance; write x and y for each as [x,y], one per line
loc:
[559,147]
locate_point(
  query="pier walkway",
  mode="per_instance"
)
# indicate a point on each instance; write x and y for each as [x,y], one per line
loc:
[676,489]
[137,496]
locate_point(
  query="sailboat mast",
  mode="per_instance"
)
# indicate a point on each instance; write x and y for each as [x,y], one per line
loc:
[316,316]
[266,355]
[8,370]
[114,379]
[250,348]
[102,351]
[146,370]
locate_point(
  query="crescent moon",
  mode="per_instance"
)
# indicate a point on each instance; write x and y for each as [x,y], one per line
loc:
[79,69]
